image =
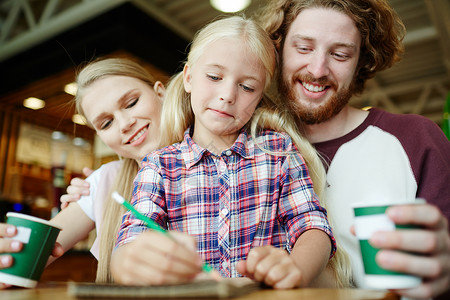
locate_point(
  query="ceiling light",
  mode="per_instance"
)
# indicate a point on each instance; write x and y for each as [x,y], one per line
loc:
[78,119]
[79,142]
[34,103]
[230,6]
[58,136]
[71,88]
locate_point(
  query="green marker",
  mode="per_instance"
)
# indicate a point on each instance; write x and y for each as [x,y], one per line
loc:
[150,223]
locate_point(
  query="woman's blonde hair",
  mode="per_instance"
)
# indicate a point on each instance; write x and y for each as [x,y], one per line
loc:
[123,183]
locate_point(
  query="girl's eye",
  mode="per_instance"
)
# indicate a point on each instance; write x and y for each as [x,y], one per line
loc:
[212,77]
[246,88]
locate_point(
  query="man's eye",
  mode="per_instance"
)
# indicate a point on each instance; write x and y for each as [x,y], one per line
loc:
[340,56]
[303,49]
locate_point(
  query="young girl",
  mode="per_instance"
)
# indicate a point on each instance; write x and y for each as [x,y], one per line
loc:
[243,191]
[122,102]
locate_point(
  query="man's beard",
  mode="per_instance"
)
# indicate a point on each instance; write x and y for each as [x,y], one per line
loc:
[313,115]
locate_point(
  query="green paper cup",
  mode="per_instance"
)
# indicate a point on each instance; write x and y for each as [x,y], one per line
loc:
[38,237]
[370,218]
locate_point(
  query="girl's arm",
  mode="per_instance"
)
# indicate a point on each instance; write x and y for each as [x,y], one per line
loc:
[311,253]
[276,268]
[75,225]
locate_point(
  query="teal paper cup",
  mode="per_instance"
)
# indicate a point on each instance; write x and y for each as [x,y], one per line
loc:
[38,237]
[368,220]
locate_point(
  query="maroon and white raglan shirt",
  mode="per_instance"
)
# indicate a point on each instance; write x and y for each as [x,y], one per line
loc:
[389,157]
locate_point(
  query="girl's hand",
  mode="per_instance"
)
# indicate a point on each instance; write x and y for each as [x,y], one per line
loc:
[155,259]
[77,188]
[7,245]
[270,265]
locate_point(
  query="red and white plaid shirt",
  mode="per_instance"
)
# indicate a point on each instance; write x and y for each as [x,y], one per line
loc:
[243,198]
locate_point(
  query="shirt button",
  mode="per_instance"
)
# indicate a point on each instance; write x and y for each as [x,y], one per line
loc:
[224,211]
[223,168]
[228,153]
[224,264]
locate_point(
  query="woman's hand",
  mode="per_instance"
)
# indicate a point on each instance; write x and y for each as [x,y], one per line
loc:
[7,246]
[77,188]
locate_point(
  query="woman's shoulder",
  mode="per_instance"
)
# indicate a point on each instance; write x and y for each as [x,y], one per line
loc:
[107,168]
[105,172]
[111,166]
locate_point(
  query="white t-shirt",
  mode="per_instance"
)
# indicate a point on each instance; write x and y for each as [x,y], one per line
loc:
[389,157]
[92,205]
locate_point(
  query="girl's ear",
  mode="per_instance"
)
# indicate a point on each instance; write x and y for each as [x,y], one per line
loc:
[159,89]
[187,78]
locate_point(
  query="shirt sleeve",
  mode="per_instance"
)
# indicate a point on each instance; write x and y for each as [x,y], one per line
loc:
[300,208]
[148,198]
[430,159]
[87,202]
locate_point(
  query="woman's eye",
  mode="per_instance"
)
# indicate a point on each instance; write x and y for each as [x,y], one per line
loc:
[133,102]
[247,88]
[105,124]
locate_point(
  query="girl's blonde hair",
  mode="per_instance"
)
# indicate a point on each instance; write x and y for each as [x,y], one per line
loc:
[123,183]
[177,114]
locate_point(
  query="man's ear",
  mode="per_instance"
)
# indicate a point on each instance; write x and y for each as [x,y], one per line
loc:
[187,78]
[159,89]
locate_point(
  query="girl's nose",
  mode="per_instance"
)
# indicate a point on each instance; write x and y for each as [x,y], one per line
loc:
[228,93]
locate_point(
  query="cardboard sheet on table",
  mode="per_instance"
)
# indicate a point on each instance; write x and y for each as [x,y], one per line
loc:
[225,288]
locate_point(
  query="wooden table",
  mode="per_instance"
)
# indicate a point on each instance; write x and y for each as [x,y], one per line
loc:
[58,291]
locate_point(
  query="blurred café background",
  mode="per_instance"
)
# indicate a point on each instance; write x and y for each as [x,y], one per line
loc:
[43,143]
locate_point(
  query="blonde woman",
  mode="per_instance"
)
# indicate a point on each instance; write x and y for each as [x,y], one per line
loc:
[234,176]
[122,102]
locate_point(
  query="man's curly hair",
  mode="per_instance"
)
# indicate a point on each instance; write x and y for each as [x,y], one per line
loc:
[381,30]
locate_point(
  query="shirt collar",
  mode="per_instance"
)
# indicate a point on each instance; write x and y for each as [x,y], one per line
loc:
[192,153]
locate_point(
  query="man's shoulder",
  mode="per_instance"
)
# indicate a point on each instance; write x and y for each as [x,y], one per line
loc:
[402,123]
[414,132]
[388,118]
